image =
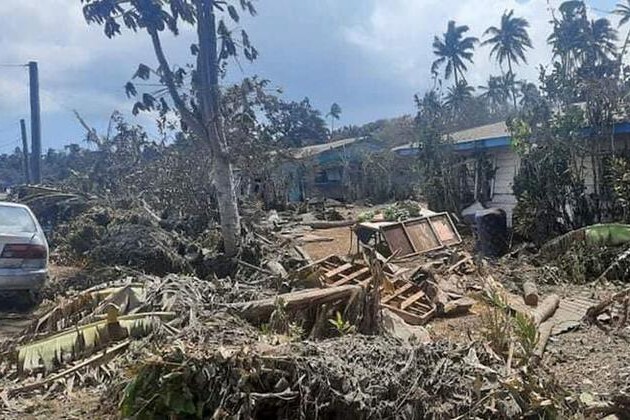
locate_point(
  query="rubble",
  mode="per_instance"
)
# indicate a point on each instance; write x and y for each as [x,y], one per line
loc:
[274,334]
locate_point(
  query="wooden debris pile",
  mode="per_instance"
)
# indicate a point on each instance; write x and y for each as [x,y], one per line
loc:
[405,298]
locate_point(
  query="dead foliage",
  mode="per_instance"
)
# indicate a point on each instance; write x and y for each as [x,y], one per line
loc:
[351,376]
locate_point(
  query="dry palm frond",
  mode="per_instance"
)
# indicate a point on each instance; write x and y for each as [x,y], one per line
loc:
[80,308]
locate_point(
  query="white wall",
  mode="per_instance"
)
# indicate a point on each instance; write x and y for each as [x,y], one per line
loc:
[506,163]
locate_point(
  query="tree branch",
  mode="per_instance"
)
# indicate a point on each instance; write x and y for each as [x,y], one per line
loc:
[169,80]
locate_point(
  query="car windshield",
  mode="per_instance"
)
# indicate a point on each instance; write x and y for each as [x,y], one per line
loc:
[16,220]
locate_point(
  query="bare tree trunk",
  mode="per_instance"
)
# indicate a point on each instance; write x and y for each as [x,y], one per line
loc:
[512,87]
[208,93]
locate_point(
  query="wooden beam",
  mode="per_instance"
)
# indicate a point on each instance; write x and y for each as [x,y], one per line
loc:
[351,277]
[338,270]
[398,292]
[260,310]
[411,299]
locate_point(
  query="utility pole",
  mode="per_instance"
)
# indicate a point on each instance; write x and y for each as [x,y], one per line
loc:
[27,172]
[36,125]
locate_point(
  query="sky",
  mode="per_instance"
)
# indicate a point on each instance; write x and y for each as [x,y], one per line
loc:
[369,56]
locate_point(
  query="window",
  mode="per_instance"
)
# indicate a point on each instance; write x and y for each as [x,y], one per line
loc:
[16,220]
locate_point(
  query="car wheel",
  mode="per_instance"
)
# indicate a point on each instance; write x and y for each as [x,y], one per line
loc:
[31,298]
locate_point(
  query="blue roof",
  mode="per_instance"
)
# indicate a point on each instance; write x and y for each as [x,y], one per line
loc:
[462,143]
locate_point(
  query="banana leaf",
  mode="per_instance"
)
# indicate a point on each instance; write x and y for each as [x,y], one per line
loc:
[82,341]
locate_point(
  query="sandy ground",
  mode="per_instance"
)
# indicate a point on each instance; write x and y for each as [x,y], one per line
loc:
[340,244]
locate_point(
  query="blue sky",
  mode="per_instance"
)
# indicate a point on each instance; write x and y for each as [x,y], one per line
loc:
[369,56]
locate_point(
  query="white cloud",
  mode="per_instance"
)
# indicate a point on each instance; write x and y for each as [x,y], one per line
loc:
[399,35]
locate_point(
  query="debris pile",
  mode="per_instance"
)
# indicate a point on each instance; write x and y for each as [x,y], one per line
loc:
[352,376]
[272,334]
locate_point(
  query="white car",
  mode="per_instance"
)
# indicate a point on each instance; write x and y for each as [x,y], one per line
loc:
[23,250]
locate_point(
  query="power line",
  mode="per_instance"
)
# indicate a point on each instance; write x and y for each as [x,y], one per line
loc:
[13,65]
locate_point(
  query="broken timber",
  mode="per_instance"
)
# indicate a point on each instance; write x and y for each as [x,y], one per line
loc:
[260,310]
[414,236]
[402,297]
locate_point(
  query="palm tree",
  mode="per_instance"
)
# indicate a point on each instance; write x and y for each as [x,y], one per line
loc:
[623,10]
[334,114]
[494,93]
[453,49]
[601,41]
[458,96]
[530,95]
[509,42]
[568,39]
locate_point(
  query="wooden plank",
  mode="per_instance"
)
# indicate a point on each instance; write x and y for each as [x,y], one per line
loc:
[397,240]
[337,270]
[404,228]
[422,236]
[398,292]
[315,263]
[410,300]
[351,277]
[435,232]
[260,310]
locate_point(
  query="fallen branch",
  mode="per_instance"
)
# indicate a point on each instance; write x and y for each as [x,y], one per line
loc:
[260,310]
[105,356]
[624,256]
[253,267]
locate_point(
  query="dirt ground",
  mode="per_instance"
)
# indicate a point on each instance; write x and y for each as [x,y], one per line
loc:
[343,243]
[16,313]
[590,360]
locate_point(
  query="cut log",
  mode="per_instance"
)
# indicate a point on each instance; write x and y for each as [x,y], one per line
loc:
[544,332]
[546,309]
[260,310]
[530,293]
[332,225]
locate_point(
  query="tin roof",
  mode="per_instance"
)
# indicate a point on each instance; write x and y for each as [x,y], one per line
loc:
[484,132]
[489,131]
[321,148]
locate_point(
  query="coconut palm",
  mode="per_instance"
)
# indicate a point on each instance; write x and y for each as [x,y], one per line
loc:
[509,42]
[623,10]
[334,114]
[458,95]
[494,93]
[570,33]
[453,51]
[602,39]
[530,95]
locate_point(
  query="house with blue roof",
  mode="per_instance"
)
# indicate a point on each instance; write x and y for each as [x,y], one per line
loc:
[495,142]
[324,170]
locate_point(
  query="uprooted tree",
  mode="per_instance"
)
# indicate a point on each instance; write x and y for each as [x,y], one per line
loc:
[195,95]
